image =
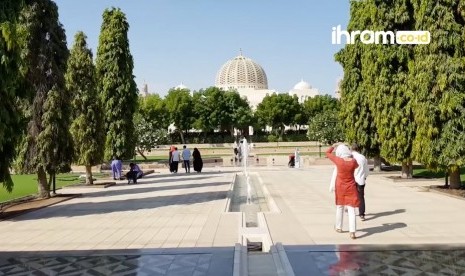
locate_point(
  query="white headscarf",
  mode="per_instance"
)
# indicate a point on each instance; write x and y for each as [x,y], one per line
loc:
[342,151]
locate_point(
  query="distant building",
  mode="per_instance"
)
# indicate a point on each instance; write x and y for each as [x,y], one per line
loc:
[250,80]
[247,77]
[181,86]
[303,90]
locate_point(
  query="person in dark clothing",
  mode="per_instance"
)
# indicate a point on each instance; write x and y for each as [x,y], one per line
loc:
[170,163]
[134,173]
[198,163]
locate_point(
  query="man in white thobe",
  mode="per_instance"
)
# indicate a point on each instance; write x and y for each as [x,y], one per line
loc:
[360,175]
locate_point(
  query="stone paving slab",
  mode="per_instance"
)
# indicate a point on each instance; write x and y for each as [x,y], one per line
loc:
[397,213]
[161,211]
[185,213]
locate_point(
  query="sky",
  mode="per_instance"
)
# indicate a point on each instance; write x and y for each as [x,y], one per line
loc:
[187,41]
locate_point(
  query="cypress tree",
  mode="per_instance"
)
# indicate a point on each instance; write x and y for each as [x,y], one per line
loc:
[386,75]
[439,84]
[12,77]
[87,126]
[116,85]
[47,144]
[356,114]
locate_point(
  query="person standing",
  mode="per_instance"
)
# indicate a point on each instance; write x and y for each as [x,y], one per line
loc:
[186,156]
[170,158]
[116,168]
[360,175]
[345,186]
[198,163]
[175,157]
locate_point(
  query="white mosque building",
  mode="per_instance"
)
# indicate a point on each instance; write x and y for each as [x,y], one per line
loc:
[249,79]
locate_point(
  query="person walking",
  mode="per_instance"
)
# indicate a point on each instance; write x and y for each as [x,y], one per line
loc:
[360,175]
[345,186]
[198,163]
[186,156]
[175,157]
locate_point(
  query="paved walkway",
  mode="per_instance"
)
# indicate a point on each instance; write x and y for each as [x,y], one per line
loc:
[161,211]
[397,213]
[180,224]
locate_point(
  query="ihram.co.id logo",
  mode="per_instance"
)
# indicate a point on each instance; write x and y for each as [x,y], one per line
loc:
[380,37]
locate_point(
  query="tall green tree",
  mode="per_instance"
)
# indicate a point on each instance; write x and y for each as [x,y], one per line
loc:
[240,114]
[437,78]
[319,104]
[356,113]
[325,128]
[87,127]
[385,73]
[179,106]
[12,35]
[47,147]
[216,109]
[278,111]
[116,85]
[151,123]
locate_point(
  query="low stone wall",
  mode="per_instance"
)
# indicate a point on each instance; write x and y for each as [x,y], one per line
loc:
[82,169]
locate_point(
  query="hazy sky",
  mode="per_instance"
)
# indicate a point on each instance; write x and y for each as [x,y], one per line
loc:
[174,41]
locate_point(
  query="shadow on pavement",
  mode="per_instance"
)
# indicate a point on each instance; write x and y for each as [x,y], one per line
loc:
[383,214]
[133,204]
[182,174]
[380,229]
[139,189]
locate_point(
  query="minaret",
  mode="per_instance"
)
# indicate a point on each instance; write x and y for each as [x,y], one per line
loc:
[337,93]
[145,90]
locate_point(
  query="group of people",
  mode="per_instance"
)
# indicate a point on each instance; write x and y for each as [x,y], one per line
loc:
[348,183]
[133,174]
[175,157]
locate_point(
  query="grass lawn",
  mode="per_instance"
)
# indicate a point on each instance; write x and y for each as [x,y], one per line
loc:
[26,184]
[423,172]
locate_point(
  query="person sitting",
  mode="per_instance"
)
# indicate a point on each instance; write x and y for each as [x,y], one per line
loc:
[134,173]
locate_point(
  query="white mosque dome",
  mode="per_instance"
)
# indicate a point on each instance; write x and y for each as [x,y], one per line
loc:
[302,85]
[181,86]
[241,72]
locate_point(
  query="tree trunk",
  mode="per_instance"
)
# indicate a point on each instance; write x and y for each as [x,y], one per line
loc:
[44,189]
[454,176]
[141,153]
[407,169]
[89,177]
[377,163]
[182,137]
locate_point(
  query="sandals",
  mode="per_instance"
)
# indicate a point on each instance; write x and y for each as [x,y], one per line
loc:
[351,234]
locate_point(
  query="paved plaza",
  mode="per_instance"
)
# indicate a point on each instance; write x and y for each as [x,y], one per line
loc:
[179,224]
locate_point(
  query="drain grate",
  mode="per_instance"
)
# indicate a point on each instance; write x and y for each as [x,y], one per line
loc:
[254,246]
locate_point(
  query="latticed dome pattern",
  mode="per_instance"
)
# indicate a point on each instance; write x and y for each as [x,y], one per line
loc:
[241,72]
